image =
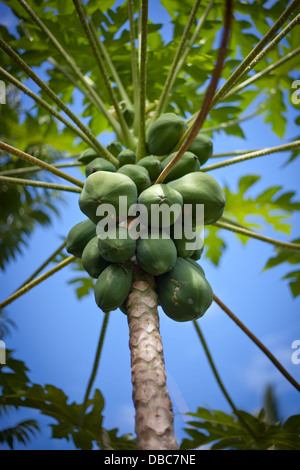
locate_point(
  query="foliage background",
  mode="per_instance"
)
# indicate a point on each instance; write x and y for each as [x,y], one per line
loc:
[57,334]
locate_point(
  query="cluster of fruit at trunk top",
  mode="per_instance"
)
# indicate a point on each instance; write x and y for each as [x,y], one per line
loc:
[183,290]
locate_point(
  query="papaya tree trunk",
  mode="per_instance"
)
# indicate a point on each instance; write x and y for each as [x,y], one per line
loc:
[154,419]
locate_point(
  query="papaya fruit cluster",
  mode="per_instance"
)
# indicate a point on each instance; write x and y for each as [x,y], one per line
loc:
[183,290]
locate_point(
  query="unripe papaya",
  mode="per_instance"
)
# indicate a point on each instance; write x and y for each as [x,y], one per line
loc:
[104,187]
[79,236]
[195,265]
[184,240]
[128,116]
[138,174]
[157,198]
[113,287]
[184,293]
[99,164]
[88,155]
[152,165]
[92,261]
[156,256]
[202,147]
[201,188]
[115,148]
[181,247]
[126,157]
[123,308]
[164,134]
[197,254]
[187,164]
[118,246]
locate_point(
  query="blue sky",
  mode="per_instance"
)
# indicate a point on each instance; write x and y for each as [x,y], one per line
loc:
[57,335]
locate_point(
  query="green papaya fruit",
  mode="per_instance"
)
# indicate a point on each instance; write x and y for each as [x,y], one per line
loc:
[202,147]
[87,156]
[128,116]
[187,164]
[113,287]
[181,247]
[123,308]
[115,148]
[138,174]
[152,165]
[184,293]
[126,157]
[187,241]
[201,188]
[197,254]
[79,236]
[183,242]
[118,247]
[196,265]
[99,164]
[92,261]
[104,187]
[156,256]
[158,197]
[164,134]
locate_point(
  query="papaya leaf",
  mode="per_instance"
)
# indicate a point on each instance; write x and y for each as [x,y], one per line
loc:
[282,256]
[269,207]
[276,116]
[296,152]
[17,391]
[29,127]
[223,431]
[293,156]
[85,286]
[291,257]
[235,130]
[271,406]
[25,208]
[124,442]
[21,433]
[13,381]
[295,282]
[214,245]
[6,324]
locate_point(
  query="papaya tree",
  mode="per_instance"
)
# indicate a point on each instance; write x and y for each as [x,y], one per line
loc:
[100,104]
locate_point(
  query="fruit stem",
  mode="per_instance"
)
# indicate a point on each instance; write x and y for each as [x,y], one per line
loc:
[264,72]
[141,147]
[255,154]
[45,263]
[234,122]
[252,234]
[39,184]
[134,65]
[49,92]
[36,281]
[256,55]
[45,105]
[219,381]
[91,93]
[36,161]
[259,51]
[30,169]
[190,135]
[174,66]
[258,343]
[92,42]
[101,47]
[95,368]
